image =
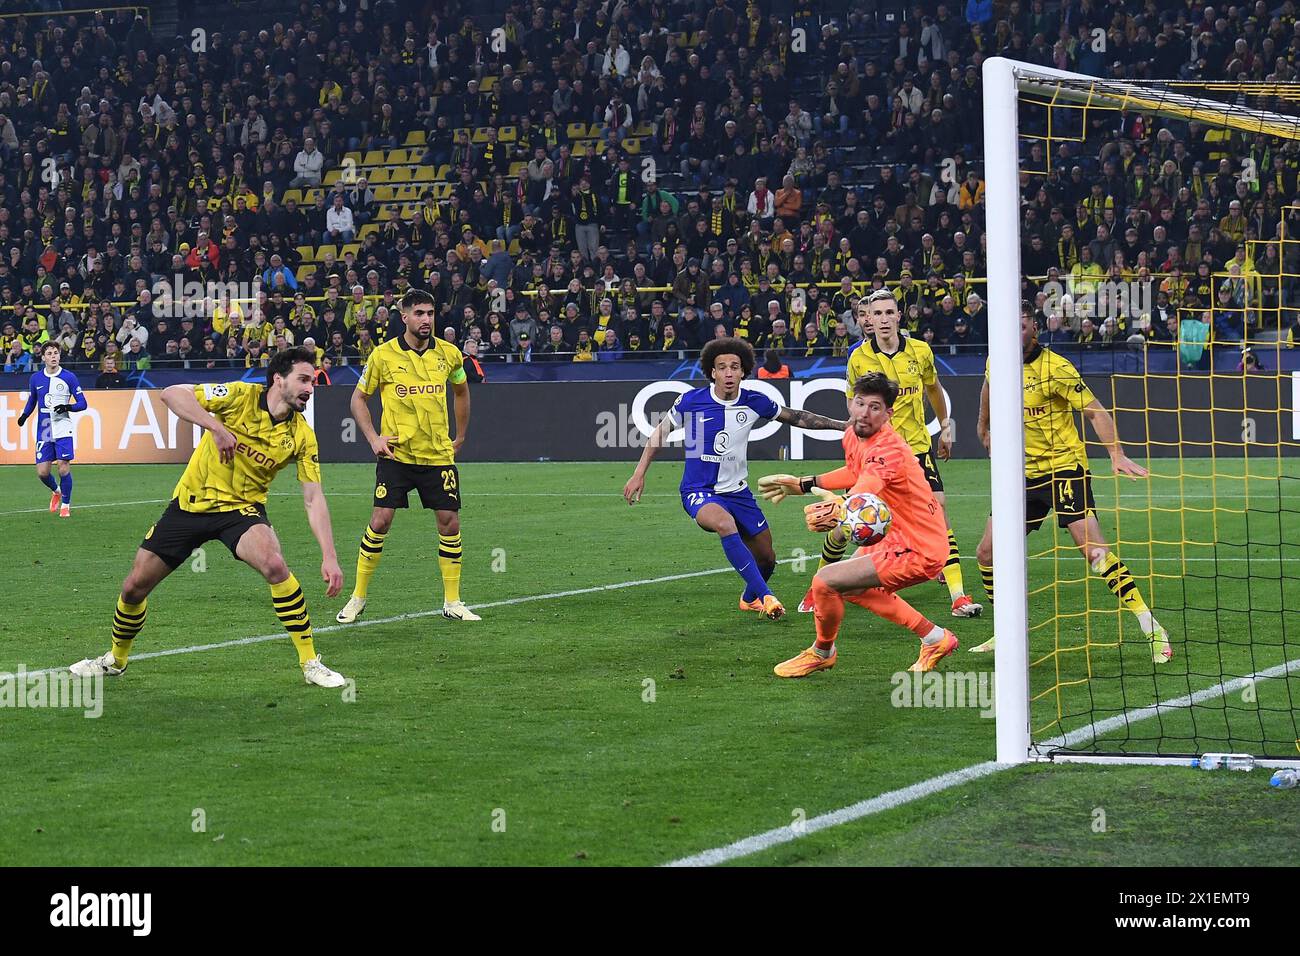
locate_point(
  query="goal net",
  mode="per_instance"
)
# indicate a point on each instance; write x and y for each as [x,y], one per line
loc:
[1170,279]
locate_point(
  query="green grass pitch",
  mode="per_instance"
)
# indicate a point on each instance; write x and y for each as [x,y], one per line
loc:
[635,724]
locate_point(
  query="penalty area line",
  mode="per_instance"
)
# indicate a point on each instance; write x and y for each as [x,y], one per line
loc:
[415,615]
[919,791]
[856,811]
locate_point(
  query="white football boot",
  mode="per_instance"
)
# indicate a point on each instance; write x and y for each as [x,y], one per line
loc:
[351,611]
[93,666]
[314,672]
[457,611]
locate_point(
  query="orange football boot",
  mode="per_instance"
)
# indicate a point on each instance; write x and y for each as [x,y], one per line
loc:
[773,609]
[932,654]
[805,663]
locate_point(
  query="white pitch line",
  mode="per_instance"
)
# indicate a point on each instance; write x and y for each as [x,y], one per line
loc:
[361,494]
[1132,496]
[919,791]
[557,494]
[100,504]
[864,808]
[412,615]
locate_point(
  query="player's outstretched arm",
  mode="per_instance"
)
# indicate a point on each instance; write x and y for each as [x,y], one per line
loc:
[461,391]
[1104,427]
[636,484]
[806,419]
[31,403]
[982,423]
[379,443]
[185,404]
[934,392]
[318,517]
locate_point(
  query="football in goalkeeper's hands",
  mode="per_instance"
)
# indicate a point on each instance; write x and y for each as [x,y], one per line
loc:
[866,519]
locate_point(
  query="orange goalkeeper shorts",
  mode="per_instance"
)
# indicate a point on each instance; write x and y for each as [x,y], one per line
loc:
[898,566]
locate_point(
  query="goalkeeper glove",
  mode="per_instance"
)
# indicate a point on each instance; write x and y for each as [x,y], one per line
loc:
[776,488]
[826,514]
[61,408]
[22,419]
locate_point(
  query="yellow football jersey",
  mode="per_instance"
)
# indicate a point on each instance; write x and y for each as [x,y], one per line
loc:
[413,389]
[264,447]
[912,367]
[1054,392]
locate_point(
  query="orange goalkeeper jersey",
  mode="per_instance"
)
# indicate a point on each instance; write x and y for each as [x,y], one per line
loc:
[885,465]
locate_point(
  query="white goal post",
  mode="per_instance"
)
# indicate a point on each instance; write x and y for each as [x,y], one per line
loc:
[1004,82]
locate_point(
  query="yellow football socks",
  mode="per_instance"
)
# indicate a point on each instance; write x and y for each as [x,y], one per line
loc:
[291,609]
[952,569]
[833,549]
[1121,583]
[449,558]
[127,621]
[986,575]
[372,549]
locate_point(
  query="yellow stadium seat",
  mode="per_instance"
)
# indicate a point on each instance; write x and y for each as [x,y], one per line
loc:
[368,229]
[352,247]
[441,190]
[643,129]
[399,174]
[328,247]
[294,194]
[378,176]
[304,271]
[507,134]
[423,174]
[488,84]
[415,138]
[331,177]
[309,196]
[480,135]
[410,193]
[385,193]
[374,157]
[306,253]
[355,156]
[577,130]
[517,169]
[632,146]
[513,248]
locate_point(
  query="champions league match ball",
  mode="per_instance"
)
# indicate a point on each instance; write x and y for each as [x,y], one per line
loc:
[866,520]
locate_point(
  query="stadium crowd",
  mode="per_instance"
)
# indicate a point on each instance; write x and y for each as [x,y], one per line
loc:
[604,181]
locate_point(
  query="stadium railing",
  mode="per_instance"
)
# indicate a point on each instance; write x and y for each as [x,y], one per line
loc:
[57,14]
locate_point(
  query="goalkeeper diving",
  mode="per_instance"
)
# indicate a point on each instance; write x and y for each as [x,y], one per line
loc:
[877,460]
